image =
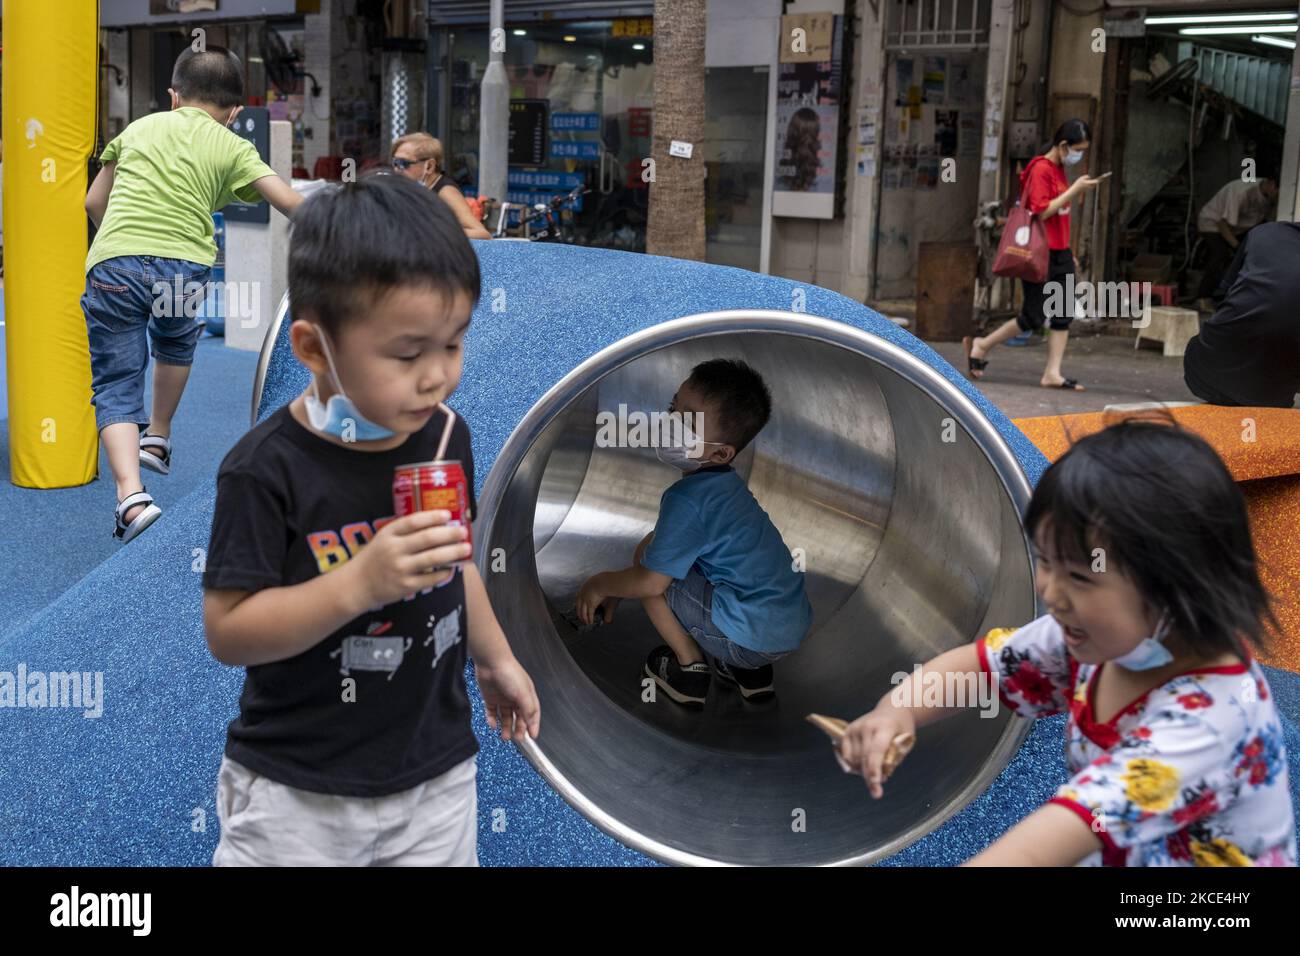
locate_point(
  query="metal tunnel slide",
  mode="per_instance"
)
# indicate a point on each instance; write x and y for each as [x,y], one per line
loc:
[902,492]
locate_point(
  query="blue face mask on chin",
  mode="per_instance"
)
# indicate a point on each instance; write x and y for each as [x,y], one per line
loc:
[1151,653]
[339,417]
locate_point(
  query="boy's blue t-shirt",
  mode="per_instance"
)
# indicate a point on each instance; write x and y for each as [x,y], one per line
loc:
[711,518]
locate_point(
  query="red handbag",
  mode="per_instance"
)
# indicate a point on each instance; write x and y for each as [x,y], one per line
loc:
[1022,251]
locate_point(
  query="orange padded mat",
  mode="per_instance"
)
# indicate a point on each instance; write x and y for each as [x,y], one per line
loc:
[1261,447]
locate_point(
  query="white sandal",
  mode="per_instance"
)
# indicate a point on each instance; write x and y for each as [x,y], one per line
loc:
[125,532]
[163,464]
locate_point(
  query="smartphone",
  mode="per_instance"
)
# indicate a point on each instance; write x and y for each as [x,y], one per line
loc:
[1103,175]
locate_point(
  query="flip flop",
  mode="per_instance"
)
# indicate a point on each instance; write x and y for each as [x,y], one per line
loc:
[973,364]
[1070,385]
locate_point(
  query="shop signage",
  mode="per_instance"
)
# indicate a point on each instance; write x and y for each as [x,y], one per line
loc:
[543,179]
[633,27]
[575,121]
[582,150]
[527,132]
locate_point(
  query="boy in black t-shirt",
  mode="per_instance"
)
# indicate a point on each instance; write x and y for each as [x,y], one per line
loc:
[353,743]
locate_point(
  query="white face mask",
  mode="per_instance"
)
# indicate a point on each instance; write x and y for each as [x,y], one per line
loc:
[339,416]
[1072,156]
[688,456]
[1151,652]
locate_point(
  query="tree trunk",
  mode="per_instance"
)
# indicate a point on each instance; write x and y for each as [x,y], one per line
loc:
[675,225]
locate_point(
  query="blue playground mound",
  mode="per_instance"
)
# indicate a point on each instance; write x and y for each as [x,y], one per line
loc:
[136,786]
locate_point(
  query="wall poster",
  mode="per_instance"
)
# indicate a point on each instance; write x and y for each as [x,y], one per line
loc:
[808,106]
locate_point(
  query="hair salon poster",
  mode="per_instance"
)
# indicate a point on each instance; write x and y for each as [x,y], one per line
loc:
[808,115]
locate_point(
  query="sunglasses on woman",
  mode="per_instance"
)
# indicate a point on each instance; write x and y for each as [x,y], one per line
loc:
[401,165]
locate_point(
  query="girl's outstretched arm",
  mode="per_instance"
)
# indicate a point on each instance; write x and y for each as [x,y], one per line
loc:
[867,740]
[1052,835]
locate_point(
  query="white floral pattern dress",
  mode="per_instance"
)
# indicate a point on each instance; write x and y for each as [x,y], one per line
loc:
[1193,773]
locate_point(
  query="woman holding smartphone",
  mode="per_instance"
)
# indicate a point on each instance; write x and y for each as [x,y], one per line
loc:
[1046,192]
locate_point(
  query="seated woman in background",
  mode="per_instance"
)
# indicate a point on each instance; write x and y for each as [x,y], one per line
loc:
[418,156]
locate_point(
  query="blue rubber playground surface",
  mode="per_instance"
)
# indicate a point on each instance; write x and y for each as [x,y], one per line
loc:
[67,532]
[136,786]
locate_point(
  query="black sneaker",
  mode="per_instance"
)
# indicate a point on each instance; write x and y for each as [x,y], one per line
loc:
[756,683]
[687,685]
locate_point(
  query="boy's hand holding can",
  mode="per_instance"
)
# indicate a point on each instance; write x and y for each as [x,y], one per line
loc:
[408,555]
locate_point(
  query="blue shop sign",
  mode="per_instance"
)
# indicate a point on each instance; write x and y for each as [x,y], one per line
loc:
[562,150]
[575,121]
[544,179]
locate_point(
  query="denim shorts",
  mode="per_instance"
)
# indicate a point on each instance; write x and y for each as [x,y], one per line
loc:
[124,297]
[691,601]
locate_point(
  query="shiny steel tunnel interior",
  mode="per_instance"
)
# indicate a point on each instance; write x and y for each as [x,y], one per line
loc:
[904,503]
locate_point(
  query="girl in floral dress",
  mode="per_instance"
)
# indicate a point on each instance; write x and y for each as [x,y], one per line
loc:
[1145,565]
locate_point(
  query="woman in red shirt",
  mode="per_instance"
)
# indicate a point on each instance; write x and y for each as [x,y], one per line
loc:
[1046,192]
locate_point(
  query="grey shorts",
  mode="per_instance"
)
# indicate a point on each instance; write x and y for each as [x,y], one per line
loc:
[265,823]
[691,601]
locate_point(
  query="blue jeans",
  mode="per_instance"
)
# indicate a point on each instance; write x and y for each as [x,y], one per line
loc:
[691,601]
[124,297]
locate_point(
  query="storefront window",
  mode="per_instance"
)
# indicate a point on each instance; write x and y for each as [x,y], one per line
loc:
[581,97]
[735,149]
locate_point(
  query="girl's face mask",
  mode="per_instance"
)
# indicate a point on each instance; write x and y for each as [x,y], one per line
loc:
[1072,156]
[339,417]
[1151,652]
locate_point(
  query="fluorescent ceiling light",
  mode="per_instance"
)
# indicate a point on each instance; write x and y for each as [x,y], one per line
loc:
[570,39]
[520,33]
[1224,31]
[1225,18]
[638,46]
[1275,41]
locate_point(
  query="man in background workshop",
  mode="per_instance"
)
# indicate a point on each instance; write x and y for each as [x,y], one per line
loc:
[1224,221]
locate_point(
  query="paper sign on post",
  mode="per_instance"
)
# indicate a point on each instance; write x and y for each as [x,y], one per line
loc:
[678,148]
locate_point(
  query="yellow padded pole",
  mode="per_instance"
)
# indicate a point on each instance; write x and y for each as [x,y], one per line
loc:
[49,100]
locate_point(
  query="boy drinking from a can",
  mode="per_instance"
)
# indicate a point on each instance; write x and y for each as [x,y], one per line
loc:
[714,576]
[353,743]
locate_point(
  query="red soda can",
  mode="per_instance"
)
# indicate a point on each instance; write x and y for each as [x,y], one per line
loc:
[433,486]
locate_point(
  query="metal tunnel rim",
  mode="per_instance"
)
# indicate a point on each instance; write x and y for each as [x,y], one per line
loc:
[597,366]
[264,355]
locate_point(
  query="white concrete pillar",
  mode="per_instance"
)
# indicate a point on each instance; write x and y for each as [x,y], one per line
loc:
[257,259]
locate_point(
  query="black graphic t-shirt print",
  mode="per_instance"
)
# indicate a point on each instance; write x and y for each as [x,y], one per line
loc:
[380,705]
